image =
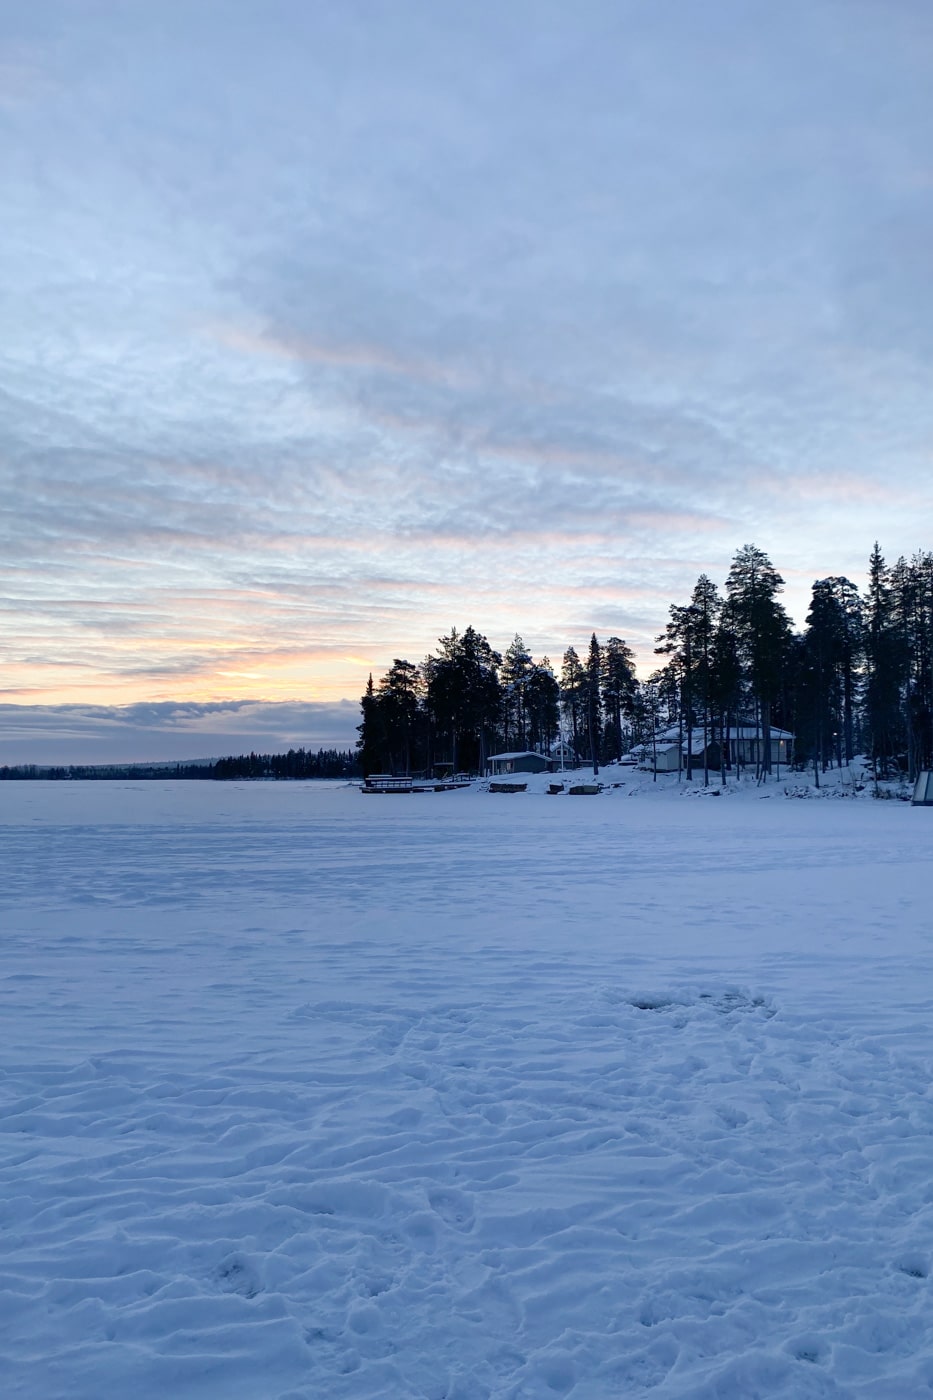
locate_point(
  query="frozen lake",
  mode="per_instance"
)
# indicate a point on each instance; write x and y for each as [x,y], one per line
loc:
[457,1096]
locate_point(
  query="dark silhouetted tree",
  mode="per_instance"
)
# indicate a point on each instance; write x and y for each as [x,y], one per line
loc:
[763,630]
[572,683]
[464,696]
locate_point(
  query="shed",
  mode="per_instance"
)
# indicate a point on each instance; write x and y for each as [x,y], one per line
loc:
[525,762]
[667,759]
[923,790]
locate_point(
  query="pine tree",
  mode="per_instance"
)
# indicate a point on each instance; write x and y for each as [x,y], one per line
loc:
[516,669]
[399,699]
[676,642]
[688,641]
[851,652]
[763,631]
[619,687]
[593,701]
[464,696]
[923,660]
[542,702]
[829,669]
[819,704]
[725,684]
[884,667]
[572,683]
[706,606]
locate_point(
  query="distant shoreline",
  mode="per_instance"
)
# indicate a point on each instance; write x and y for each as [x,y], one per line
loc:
[295,766]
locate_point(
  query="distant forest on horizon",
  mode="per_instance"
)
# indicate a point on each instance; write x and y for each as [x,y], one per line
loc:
[858,679]
[296,763]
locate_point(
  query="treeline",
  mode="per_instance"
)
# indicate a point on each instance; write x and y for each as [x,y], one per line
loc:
[467,701]
[296,763]
[104,772]
[857,679]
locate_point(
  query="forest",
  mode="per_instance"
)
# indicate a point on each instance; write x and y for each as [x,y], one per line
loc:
[296,763]
[857,679]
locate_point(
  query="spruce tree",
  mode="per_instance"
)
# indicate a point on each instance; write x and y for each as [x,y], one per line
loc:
[367,748]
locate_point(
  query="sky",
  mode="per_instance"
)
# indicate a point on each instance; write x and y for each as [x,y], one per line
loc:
[329,325]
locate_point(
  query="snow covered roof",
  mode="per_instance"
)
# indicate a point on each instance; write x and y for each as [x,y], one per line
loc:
[525,753]
[736,731]
[749,731]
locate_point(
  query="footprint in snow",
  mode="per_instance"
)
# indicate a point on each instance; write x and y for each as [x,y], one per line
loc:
[454,1207]
[913,1265]
[235,1274]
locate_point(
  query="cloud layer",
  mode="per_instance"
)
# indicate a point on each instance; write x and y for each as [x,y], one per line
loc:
[165,731]
[328,327]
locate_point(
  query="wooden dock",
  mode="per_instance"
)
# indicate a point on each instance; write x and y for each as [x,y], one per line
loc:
[385,784]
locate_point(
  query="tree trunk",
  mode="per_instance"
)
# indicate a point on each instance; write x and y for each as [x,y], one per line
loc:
[765,738]
[705,742]
[847,712]
[594,746]
[723,745]
[680,745]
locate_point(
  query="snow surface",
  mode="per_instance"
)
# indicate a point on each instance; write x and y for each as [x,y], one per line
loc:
[306,1094]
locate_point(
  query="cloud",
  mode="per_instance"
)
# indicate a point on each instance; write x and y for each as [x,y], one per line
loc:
[50,734]
[325,330]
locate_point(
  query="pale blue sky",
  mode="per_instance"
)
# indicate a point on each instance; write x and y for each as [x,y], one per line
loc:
[328,326]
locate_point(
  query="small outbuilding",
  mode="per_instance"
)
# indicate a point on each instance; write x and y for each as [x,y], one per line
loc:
[526,762]
[923,791]
[667,758]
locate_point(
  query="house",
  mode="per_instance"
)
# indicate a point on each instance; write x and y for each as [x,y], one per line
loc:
[563,753]
[743,742]
[527,762]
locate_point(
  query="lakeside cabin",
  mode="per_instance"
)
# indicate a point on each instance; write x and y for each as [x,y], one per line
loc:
[499,764]
[743,745]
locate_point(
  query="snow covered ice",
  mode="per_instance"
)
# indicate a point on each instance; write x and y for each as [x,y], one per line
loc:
[463,1096]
